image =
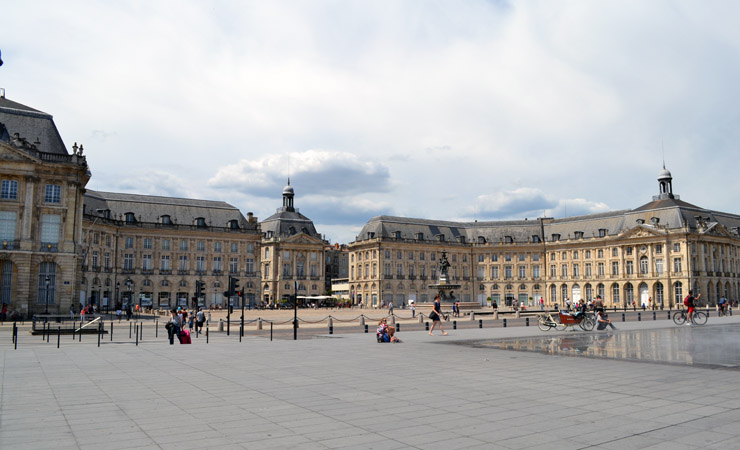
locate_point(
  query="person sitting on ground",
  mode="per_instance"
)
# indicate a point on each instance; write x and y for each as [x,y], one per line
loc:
[603,321]
[385,333]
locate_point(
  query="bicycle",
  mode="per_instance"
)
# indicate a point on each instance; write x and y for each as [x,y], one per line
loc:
[699,318]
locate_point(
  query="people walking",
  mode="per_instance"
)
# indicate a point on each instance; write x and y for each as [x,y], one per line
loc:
[436,316]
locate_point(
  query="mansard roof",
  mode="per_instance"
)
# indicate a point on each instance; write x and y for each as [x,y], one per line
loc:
[151,208]
[288,223]
[31,125]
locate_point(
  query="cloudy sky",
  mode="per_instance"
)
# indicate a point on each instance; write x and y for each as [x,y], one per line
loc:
[446,110]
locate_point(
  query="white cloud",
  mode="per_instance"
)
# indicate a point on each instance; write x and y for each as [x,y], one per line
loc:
[421,106]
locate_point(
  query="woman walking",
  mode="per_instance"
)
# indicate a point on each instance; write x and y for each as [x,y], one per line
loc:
[436,316]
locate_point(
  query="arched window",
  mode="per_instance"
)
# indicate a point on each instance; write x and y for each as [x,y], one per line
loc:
[600,291]
[553,293]
[629,293]
[589,292]
[659,293]
[47,284]
[678,293]
[564,292]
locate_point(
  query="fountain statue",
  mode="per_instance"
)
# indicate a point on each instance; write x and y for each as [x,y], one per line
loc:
[444,288]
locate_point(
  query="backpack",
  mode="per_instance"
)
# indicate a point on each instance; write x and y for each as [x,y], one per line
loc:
[686,301]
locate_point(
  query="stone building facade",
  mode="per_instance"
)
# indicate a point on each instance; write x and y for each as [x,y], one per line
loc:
[40,212]
[150,251]
[292,255]
[650,255]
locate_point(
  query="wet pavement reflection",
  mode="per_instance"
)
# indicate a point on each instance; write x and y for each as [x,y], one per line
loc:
[708,346]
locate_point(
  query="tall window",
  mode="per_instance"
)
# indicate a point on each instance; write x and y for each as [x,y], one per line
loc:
[217,247]
[201,246]
[106,260]
[233,265]
[615,268]
[9,190]
[576,270]
[522,271]
[146,262]
[200,263]
[629,267]
[494,273]
[7,225]
[217,263]
[600,268]
[249,265]
[147,243]
[6,281]
[588,269]
[536,271]
[659,293]
[234,247]
[53,193]
[676,265]
[659,266]
[507,272]
[165,244]
[564,291]
[644,265]
[564,270]
[629,293]
[600,291]
[250,248]
[183,244]
[615,293]
[129,242]
[47,284]
[165,262]
[678,293]
[128,261]
[50,227]
[183,260]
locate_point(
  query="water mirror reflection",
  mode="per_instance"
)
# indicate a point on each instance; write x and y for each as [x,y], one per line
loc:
[709,346]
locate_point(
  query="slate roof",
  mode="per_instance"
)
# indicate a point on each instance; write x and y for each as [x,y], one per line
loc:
[31,124]
[669,213]
[288,223]
[149,208]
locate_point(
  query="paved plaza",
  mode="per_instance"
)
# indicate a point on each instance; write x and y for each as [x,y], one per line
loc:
[465,390]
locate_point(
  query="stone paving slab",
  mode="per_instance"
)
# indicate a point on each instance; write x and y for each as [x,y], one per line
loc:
[350,392]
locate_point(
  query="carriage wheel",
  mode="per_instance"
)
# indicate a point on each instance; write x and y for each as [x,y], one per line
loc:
[587,324]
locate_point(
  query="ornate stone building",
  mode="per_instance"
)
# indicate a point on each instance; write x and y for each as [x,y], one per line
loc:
[150,251]
[651,255]
[292,254]
[40,212]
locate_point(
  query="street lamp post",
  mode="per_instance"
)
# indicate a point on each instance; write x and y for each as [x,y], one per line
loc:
[129,299]
[47,295]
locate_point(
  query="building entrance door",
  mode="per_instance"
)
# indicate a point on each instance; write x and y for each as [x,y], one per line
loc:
[644,294]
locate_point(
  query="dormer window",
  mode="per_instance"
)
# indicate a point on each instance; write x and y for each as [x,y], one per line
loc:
[602,232]
[233,224]
[200,222]
[419,236]
[640,221]
[655,220]
[130,217]
[166,220]
[304,230]
[509,239]
[579,234]
[371,235]
[461,239]
[535,238]
[441,237]
[397,234]
[291,230]
[555,237]
[269,235]
[481,240]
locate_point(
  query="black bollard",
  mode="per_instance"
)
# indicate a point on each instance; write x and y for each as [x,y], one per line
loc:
[48,332]
[79,335]
[141,331]
[398,327]
[130,327]
[43,331]
[639,318]
[426,325]
[526,322]
[240,333]
[331,329]
[504,322]
[669,315]
[99,333]
[454,324]
[111,331]
[366,328]
[623,319]
[74,329]
[15,336]
[271,331]
[654,316]
[15,327]
[59,336]
[207,334]
[137,334]
[480,323]
[156,328]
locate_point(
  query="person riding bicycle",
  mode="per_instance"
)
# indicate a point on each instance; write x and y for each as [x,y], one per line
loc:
[689,301]
[722,306]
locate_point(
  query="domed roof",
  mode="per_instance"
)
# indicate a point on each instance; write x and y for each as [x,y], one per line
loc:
[665,173]
[288,190]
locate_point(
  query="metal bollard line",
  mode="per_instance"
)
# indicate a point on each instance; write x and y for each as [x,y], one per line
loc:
[207,334]
[526,321]
[639,317]
[365,328]
[15,340]
[426,325]
[130,327]
[271,331]
[480,323]
[137,334]
[59,336]
[454,324]
[398,327]
[504,322]
[141,331]
[623,319]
